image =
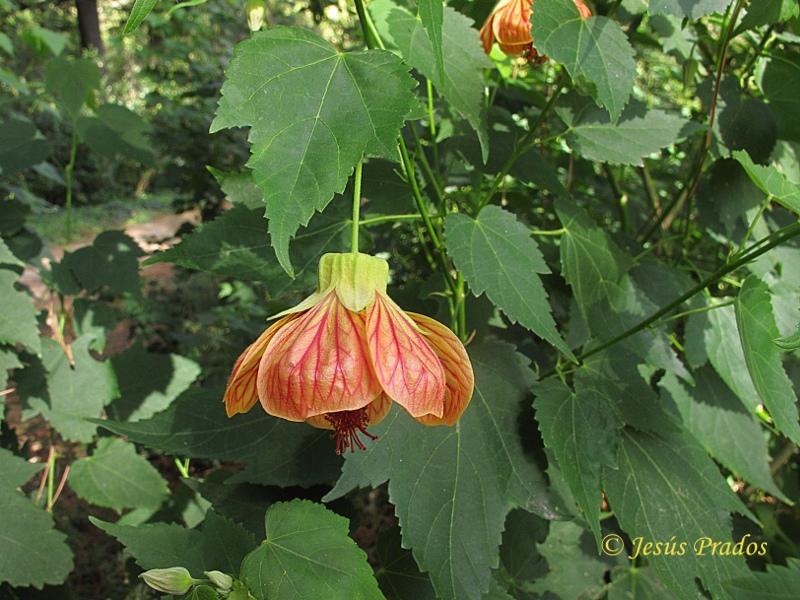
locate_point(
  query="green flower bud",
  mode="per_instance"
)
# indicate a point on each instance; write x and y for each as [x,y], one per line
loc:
[255,10]
[175,580]
[221,580]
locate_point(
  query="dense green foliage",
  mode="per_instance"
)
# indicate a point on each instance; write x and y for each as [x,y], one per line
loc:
[612,231]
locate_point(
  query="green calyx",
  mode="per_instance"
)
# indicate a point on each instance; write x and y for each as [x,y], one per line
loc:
[355,277]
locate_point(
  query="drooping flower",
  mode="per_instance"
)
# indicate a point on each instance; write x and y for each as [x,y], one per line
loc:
[339,358]
[509,24]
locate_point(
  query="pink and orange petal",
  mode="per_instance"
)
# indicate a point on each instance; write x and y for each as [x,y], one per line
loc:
[457,368]
[404,363]
[241,393]
[318,364]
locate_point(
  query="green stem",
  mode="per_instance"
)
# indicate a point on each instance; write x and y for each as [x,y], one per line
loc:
[753,224]
[460,318]
[787,234]
[426,166]
[183,467]
[554,232]
[432,122]
[51,478]
[356,206]
[68,170]
[762,45]
[371,35]
[619,195]
[650,189]
[522,146]
[686,313]
[390,218]
[408,166]
[373,40]
[758,244]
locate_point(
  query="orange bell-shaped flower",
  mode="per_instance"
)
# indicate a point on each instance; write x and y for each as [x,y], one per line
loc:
[339,358]
[509,24]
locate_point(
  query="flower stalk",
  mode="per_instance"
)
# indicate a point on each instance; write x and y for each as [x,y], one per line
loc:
[356,207]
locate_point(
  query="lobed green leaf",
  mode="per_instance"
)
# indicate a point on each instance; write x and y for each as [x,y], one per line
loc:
[168,376]
[692,10]
[778,583]
[18,317]
[117,477]
[593,50]
[591,263]
[778,77]
[399,576]
[308,555]
[431,13]
[68,395]
[23,146]
[313,112]
[638,133]
[575,570]
[713,414]
[117,130]
[236,244]
[768,12]
[71,82]
[497,255]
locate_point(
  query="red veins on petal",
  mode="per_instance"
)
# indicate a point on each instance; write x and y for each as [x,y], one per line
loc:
[318,363]
[378,409]
[459,378]
[405,365]
[510,25]
[241,393]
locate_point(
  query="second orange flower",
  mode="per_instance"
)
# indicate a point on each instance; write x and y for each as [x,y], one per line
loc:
[509,25]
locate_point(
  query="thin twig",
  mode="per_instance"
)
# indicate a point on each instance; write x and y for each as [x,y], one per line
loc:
[60,487]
